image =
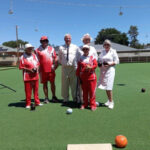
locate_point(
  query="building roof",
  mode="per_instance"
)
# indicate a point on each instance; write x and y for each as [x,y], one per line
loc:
[116,46]
[6,49]
[9,49]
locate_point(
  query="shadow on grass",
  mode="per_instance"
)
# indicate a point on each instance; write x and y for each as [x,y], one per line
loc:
[17,104]
[121,84]
[71,104]
[21,104]
[101,105]
[115,146]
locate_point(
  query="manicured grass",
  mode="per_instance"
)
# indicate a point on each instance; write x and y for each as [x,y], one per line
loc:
[49,128]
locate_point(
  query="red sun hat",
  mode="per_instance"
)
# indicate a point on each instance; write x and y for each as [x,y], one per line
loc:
[44,38]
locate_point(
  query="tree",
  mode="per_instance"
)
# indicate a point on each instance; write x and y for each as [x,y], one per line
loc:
[13,44]
[112,34]
[133,33]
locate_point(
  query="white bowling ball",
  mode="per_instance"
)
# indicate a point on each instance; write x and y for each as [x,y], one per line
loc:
[69,111]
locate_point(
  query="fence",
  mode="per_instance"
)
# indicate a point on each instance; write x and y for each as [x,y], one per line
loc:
[134,56]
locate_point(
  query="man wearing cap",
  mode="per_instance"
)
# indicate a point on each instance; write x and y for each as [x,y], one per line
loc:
[30,64]
[67,58]
[48,64]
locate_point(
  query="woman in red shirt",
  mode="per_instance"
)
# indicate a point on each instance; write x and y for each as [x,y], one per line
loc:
[29,64]
[86,73]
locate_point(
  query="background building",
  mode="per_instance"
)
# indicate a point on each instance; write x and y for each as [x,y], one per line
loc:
[126,53]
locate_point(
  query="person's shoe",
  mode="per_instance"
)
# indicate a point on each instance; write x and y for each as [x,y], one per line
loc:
[79,105]
[82,107]
[93,108]
[54,99]
[111,105]
[46,100]
[65,100]
[28,107]
[107,103]
[39,104]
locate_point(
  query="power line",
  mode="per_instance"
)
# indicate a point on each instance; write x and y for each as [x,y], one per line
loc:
[87,5]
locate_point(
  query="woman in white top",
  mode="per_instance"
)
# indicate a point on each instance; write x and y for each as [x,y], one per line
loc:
[107,61]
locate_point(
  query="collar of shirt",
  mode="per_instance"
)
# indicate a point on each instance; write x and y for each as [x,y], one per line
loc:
[41,48]
[27,56]
[68,46]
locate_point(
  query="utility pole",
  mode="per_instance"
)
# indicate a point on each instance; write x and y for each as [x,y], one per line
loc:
[17,45]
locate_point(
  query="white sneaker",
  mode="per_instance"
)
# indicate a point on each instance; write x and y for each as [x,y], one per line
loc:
[39,104]
[111,105]
[46,100]
[107,103]
[28,107]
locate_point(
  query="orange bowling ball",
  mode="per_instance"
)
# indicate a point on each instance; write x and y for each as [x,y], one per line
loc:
[121,141]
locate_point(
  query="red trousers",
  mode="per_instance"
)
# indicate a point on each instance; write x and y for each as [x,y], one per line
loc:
[89,91]
[29,85]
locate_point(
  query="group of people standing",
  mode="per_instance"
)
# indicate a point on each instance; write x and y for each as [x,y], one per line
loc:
[78,66]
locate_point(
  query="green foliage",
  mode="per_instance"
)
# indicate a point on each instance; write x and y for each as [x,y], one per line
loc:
[14,44]
[112,34]
[133,34]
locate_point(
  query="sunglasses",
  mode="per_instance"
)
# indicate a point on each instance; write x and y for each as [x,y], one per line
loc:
[42,41]
[85,49]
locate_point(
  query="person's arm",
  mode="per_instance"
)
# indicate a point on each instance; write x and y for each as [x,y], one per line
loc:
[115,59]
[94,66]
[77,57]
[78,69]
[38,64]
[22,66]
[100,61]
[55,60]
[60,55]
[95,53]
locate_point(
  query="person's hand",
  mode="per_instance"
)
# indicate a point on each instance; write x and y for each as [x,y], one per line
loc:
[88,67]
[29,70]
[34,70]
[105,64]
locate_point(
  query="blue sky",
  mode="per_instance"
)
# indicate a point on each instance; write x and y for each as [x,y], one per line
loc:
[54,18]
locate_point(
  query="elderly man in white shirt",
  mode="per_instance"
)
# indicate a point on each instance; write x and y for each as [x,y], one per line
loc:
[67,58]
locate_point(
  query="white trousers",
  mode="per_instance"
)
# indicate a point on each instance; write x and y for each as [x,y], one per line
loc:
[69,79]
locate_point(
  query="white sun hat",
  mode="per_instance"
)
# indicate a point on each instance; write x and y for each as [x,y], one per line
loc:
[86,46]
[85,36]
[28,46]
